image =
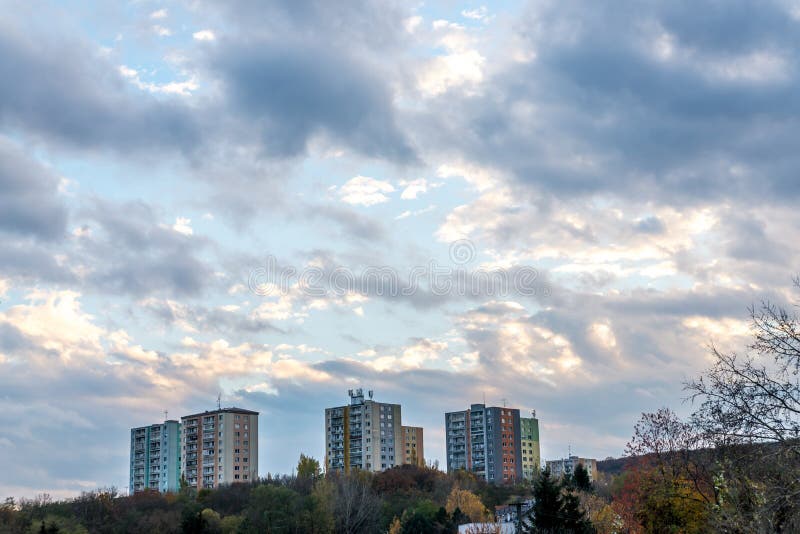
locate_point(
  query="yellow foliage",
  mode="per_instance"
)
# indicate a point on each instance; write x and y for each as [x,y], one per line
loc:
[469,504]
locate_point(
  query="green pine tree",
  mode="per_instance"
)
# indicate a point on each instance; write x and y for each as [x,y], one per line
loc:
[580,479]
[574,519]
[547,506]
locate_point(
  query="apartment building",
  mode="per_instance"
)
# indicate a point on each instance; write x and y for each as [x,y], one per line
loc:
[155,457]
[414,452]
[365,434]
[566,466]
[219,447]
[529,442]
[485,441]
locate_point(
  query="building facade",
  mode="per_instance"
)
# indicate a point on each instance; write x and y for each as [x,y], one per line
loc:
[220,447]
[566,466]
[155,457]
[414,452]
[485,441]
[529,442]
[365,435]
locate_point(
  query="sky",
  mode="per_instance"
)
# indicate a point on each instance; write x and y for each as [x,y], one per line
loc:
[556,205]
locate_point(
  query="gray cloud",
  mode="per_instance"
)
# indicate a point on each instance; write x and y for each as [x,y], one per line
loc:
[61,88]
[29,200]
[129,251]
[296,90]
[710,122]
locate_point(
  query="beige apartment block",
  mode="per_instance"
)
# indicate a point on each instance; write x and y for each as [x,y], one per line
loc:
[219,447]
[414,451]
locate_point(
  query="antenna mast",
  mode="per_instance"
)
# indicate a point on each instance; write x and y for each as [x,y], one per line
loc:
[219,401]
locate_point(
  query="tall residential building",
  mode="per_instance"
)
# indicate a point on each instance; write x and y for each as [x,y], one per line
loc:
[566,466]
[529,442]
[220,447]
[156,457]
[363,435]
[414,452]
[485,441]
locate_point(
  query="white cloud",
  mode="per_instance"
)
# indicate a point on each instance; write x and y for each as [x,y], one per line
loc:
[161,31]
[160,14]
[479,13]
[408,213]
[414,188]
[183,226]
[412,23]
[204,35]
[182,88]
[460,66]
[54,319]
[365,191]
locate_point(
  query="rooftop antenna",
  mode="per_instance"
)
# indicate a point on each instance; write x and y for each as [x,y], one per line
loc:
[166,415]
[219,401]
[504,403]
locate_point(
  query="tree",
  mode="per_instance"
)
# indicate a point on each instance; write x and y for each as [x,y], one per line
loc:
[581,480]
[271,509]
[556,509]
[547,505]
[308,467]
[357,508]
[749,410]
[468,503]
[574,519]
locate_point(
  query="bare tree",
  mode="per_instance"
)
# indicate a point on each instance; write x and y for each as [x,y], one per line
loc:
[677,451]
[357,507]
[749,409]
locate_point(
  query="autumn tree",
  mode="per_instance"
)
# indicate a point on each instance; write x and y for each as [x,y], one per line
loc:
[308,468]
[468,503]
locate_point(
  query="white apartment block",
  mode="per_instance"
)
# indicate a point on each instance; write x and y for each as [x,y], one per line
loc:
[364,435]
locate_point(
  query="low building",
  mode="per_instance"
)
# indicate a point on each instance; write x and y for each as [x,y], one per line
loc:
[566,467]
[155,457]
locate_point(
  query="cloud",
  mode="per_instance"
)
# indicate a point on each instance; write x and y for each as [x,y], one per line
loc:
[295,92]
[365,191]
[460,66]
[30,204]
[479,13]
[183,226]
[408,213]
[570,121]
[79,99]
[204,35]
[414,188]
